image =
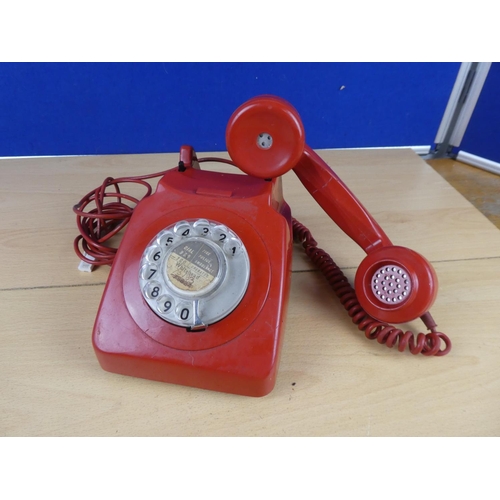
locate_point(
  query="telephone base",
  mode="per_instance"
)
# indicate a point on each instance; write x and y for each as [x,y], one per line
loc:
[237,354]
[237,371]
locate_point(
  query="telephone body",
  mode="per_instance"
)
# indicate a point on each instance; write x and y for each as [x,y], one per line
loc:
[237,353]
[198,289]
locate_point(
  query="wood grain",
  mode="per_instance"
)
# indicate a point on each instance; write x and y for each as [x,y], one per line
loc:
[479,187]
[332,380]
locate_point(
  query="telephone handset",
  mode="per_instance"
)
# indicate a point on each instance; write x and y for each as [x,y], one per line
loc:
[279,123]
[198,289]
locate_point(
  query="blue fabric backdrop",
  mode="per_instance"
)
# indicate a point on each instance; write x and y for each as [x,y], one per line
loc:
[107,108]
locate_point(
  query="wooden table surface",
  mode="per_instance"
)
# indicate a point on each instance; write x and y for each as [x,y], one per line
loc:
[332,381]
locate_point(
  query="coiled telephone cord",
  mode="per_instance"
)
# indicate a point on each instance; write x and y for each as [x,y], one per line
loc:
[427,344]
[98,225]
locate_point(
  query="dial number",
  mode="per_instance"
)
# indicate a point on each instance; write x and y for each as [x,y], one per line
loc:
[165,304]
[182,228]
[231,247]
[155,254]
[153,289]
[220,233]
[201,227]
[148,272]
[166,239]
[184,311]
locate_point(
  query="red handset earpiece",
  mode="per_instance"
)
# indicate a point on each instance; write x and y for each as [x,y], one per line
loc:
[265,138]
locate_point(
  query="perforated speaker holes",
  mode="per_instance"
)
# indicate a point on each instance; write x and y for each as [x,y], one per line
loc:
[391,284]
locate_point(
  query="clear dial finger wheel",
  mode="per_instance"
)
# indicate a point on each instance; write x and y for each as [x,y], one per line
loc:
[194,273]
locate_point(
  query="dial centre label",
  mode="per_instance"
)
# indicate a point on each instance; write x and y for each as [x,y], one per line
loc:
[192,266]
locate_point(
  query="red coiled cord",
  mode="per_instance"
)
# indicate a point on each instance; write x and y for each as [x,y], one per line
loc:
[427,344]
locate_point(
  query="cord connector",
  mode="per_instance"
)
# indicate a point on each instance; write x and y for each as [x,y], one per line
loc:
[85,266]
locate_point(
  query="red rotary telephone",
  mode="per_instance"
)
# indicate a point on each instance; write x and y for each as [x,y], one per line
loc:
[198,288]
